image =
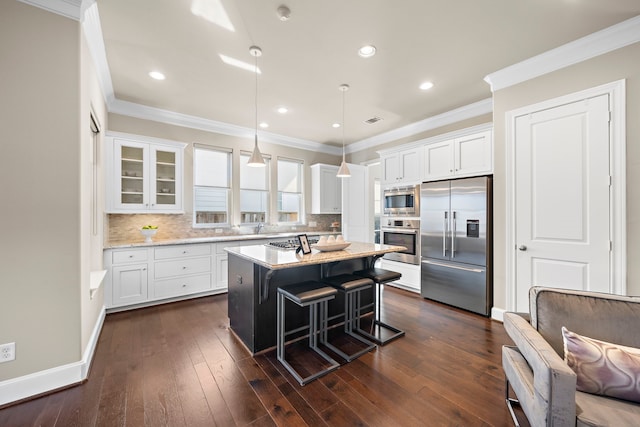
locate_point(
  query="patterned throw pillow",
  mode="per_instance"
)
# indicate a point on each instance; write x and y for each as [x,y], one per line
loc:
[603,368]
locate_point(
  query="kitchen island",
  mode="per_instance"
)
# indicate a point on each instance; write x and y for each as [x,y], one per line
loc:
[256,272]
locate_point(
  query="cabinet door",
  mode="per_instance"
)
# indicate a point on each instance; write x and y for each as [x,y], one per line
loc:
[129,284]
[410,165]
[165,183]
[330,191]
[390,169]
[438,160]
[474,154]
[222,272]
[131,175]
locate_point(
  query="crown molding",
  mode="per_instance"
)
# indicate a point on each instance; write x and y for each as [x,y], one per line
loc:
[144,112]
[93,33]
[598,43]
[73,9]
[468,111]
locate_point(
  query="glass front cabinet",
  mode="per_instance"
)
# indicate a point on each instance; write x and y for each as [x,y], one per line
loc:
[145,176]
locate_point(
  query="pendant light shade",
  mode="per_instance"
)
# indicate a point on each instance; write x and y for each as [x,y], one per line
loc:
[256,159]
[343,172]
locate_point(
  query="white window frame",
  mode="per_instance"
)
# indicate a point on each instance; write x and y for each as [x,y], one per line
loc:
[229,188]
[268,190]
[302,216]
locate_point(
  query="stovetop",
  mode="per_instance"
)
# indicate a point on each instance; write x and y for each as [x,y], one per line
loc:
[291,244]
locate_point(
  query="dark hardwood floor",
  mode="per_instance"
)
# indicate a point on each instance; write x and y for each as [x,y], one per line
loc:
[179,365]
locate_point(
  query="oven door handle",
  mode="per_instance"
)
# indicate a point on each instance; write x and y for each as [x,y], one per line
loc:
[400,230]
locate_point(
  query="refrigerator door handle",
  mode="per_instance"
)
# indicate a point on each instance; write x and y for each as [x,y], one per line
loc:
[456,267]
[445,226]
[453,235]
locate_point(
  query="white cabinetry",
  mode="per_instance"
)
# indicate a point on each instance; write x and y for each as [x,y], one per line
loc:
[402,167]
[326,189]
[410,279]
[127,278]
[141,276]
[182,270]
[464,156]
[144,177]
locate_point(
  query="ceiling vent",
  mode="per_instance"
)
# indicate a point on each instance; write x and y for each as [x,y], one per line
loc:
[373,120]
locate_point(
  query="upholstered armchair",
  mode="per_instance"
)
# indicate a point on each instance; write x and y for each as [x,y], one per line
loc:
[597,383]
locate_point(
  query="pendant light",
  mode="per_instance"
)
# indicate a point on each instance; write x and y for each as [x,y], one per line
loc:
[256,159]
[343,172]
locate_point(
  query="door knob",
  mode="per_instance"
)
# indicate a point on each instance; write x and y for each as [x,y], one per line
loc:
[522,248]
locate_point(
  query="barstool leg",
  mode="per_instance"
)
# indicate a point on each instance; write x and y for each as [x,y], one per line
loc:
[378,339]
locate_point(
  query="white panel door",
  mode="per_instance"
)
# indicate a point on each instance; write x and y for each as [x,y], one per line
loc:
[562,198]
[355,214]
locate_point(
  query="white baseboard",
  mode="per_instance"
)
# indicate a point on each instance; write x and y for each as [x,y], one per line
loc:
[37,383]
[497,314]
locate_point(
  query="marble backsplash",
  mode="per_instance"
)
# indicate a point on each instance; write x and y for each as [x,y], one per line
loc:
[126,227]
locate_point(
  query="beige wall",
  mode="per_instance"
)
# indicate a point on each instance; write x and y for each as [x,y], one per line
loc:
[40,191]
[621,64]
[134,126]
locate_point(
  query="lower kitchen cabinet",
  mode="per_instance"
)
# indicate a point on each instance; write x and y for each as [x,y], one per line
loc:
[131,284]
[143,276]
[171,272]
[410,279]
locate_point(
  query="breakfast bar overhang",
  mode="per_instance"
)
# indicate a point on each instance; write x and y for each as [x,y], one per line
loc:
[256,272]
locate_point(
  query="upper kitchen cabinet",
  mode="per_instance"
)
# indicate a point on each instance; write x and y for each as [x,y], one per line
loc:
[402,167]
[464,156]
[144,177]
[326,190]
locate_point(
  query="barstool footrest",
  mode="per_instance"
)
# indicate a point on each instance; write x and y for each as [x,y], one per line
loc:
[378,338]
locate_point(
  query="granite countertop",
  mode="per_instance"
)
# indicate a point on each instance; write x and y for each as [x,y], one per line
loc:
[276,259]
[216,239]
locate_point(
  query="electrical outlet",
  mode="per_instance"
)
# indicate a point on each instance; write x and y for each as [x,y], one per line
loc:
[218,230]
[313,224]
[7,352]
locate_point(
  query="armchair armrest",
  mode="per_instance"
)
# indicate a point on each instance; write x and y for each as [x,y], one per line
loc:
[547,391]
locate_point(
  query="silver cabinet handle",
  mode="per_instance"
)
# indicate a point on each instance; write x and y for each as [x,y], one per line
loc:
[453,235]
[522,248]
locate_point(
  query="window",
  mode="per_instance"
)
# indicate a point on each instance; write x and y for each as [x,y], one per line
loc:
[254,191]
[290,200]
[212,186]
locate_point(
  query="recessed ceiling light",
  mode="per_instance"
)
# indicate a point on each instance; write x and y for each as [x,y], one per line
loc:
[335,125]
[426,85]
[264,125]
[240,64]
[283,110]
[156,75]
[367,51]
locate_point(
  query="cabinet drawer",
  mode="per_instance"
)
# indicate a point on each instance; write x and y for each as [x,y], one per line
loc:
[129,255]
[181,267]
[182,251]
[181,286]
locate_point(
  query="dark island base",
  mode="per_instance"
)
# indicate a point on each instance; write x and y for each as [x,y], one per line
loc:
[252,297]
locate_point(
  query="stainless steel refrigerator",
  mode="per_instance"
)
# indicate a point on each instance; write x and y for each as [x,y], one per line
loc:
[456,243]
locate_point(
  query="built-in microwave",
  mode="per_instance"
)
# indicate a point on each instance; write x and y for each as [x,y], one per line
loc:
[402,201]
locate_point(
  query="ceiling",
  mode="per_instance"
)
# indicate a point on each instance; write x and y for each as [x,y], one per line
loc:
[453,44]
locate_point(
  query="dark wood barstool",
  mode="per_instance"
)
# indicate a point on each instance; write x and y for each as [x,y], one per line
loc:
[314,295]
[351,286]
[380,276]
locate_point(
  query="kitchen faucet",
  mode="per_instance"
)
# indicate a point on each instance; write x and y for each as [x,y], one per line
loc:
[259,227]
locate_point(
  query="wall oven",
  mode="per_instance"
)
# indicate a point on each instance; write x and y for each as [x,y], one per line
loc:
[402,232]
[402,201]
